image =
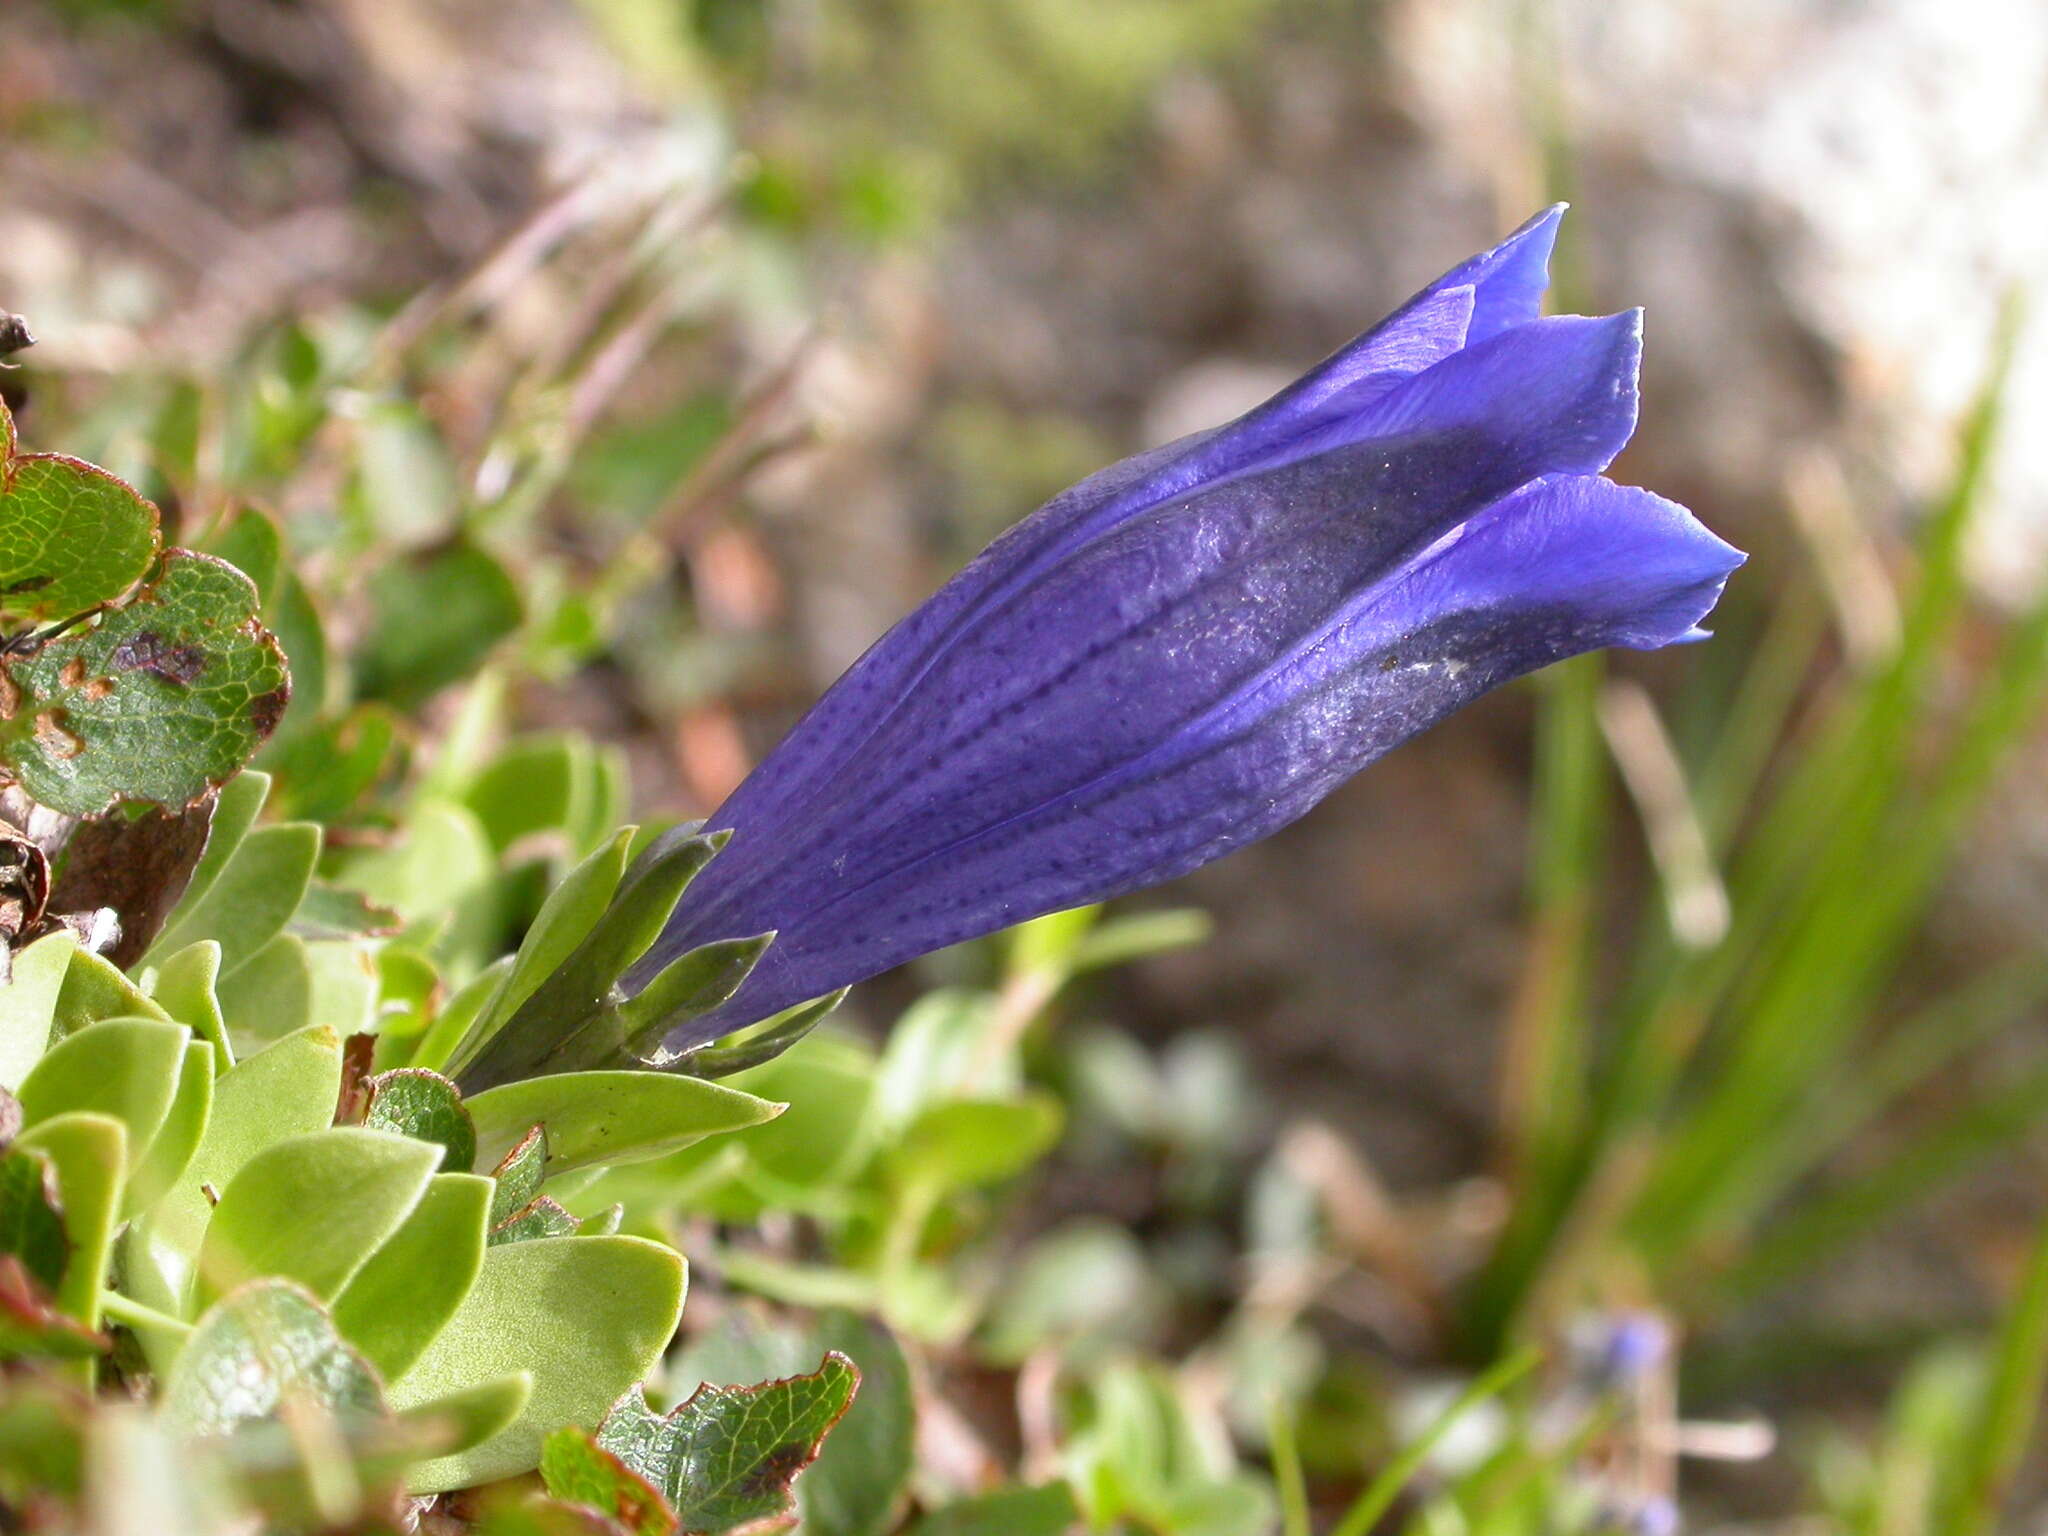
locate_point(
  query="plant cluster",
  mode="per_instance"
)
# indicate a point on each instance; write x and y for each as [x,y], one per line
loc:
[338,1191]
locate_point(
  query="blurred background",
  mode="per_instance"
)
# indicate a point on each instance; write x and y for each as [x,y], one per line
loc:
[662,352]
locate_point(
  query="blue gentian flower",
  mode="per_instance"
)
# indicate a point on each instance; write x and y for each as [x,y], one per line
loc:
[1186,651]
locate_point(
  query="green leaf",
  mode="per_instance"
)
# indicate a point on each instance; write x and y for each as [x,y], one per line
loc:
[123,1068]
[453,1024]
[532,786]
[971,1142]
[184,988]
[425,1106]
[250,542]
[725,1459]
[403,491]
[335,912]
[439,860]
[775,1036]
[234,812]
[1978,1484]
[533,1515]
[688,987]
[540,1217]
[94,990]
[286,1089]
[944,1047]
[270,995]
[250,900]
[263,1347]
[31,1222]
[1088,1280]
[858,1480]
[577,1470]
[71,536]
[408,993]
[295,619]
[42,1440]
[597,1118]
[829,1083]
[564,920]
[1379,1495]
[88,1152]
[328,765]
[588,1316]
[1136,936]
[343,984]
[1048,1510]
[314,1208]
[463,1420]
[604,793]
[28,1005]
[572,1018]
[434,621]
[407,1290]
[162,699]
[519,1174]
[177,1137]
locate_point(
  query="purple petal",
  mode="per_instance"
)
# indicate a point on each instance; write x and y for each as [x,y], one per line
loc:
[1476,300]
[1564,566]
[1432,327]
[1190,649]
[1509,280]
[1155,620]
[1201,679]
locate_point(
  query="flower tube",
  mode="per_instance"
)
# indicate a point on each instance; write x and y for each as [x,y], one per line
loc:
[1186,651]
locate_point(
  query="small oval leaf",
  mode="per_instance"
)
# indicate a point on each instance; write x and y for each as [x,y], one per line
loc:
[611,1117]
[588,1316]
[264,1345]
[404,1295]
[72,536]
[425,1106]
[125,1068]
[314,1208]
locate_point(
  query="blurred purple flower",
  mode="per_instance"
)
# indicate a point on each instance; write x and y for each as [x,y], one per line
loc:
[1186,651]
[1655,1516]
[1621,1349]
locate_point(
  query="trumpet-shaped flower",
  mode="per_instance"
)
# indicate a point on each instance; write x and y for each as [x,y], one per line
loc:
[1188,650]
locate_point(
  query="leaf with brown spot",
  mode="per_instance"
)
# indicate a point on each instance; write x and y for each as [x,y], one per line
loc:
[161,699]
[137,866]
[726,1458]
[520,1174]
[577,1470]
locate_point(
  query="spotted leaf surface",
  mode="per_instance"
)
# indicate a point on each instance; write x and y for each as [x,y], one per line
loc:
[725,1459]
[161,699]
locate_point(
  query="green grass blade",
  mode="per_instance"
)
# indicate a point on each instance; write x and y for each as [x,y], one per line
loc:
[1379,1495]
[1976,1487]
[1793,1243]
[1543,1078]
[1287,1472]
